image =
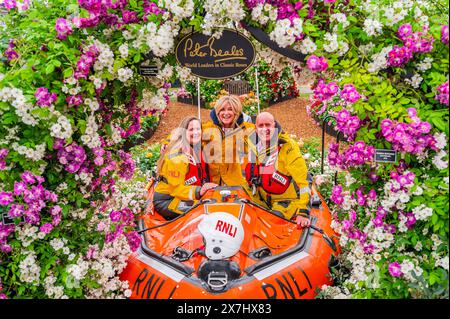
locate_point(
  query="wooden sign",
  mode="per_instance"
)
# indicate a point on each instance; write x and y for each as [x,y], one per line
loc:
[212,58]
[385,156]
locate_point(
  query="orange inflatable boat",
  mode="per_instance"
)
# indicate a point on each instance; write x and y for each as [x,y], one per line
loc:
[226,246]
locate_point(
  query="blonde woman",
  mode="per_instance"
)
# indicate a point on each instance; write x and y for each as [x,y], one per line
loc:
[183,175]
[224,140]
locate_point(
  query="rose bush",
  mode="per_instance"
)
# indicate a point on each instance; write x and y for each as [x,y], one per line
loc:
[273,84]
[146,156]
[388,90]
[69,99]
[209,90]
[148,125]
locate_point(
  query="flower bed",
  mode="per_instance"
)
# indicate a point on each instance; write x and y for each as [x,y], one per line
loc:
[209,90]
[149,124]
[192,101]
[274,86]
[282,99]
[186,100]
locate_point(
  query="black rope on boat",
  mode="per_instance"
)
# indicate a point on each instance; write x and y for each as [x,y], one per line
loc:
[327,238]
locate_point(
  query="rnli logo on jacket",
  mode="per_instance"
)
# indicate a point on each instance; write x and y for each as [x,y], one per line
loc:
[279,178]
[174,174]
[190,181]
[226,228]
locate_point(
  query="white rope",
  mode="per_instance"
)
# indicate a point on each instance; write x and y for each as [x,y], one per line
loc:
[257,87]
[198,98]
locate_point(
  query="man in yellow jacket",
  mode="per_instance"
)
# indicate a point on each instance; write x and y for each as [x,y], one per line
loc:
[276,171]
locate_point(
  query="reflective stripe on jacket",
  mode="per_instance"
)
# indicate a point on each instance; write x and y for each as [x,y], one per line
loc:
[267,176]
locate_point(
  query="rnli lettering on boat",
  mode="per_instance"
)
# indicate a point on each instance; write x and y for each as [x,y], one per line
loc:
[292,284]
[226,228]
[279,178]
[148,285]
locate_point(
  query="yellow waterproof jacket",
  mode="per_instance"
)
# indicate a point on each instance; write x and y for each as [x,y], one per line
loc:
[172,177]
[226,152]
[289,162]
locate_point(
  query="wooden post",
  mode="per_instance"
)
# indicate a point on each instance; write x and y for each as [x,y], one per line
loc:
[198,98]
[257,88]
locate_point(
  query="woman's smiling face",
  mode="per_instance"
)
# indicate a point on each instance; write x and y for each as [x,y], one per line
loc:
[226,115]
[194,132]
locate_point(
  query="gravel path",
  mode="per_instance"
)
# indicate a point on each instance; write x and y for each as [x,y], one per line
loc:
[290,114]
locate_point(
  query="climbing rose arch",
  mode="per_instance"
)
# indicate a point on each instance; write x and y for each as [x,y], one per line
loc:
[70,97]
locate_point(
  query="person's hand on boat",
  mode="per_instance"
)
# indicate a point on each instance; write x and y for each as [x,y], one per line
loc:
[302,221]
[206,187]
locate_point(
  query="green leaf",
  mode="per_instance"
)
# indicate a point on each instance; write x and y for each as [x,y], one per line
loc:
[4,106]
[67,72]
[368,107]
[49,69]
[440,124]
[432,278]
[49,140]
[9,118]
[404,101]
[82,126]
[108,129]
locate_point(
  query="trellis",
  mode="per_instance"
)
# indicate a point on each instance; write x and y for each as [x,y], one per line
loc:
[237,87]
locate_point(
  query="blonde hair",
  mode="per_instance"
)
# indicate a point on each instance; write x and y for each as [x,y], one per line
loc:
[233,101]
[178,140]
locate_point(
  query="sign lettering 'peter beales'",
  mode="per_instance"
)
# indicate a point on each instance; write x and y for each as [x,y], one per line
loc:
[212,58]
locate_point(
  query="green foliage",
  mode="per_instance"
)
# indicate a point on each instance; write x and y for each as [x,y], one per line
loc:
[148,124]
[146,157]
[48,62]
[386,93]
[209,90]
[45,61]
[272,86]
